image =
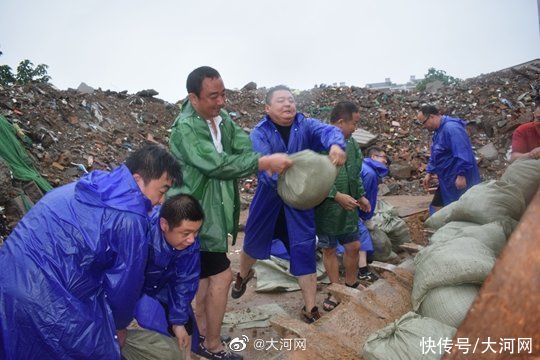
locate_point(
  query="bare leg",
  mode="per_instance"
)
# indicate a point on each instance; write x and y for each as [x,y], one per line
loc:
[308,284]
[200,305]
[216,302]
[362,259]
[331,264]
[350,259]
[246,263]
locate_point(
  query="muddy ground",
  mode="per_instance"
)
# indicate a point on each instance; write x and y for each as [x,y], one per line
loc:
[292,302]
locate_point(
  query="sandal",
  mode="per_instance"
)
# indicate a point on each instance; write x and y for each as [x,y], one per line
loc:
[239,286]
[354,286]
[329,305]
[311,316]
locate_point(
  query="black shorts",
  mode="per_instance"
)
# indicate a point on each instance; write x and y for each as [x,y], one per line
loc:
[437,198]
[213,263]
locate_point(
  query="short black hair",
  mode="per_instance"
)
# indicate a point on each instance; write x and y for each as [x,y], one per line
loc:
[272,90]
[374,150]
[151,161]
[343,110]
[197,76]
[537,101]
[428,109]
[181,207]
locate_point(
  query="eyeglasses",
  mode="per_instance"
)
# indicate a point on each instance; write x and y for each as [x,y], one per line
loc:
[421,123]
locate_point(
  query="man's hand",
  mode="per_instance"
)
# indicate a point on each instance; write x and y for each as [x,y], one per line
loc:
[337,155]
[364,204]
[345,201]
[461,182]
[184,340]
[275,163]
[535,153]
[121,336]
[426,180]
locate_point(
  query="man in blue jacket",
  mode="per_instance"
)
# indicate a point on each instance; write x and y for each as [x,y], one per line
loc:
[283,130]
[452,157]
[373,170]
[172,272]
[73,268]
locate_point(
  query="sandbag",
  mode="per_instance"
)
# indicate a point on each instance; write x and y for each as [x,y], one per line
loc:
[525,174]
[403,339]
[482,204]
[494,235]
[382,246]
[449,304]
[308,181]
[388,220]
[450,231]
[463,260]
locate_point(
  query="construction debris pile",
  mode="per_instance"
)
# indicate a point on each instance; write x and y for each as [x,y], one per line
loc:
[70,132]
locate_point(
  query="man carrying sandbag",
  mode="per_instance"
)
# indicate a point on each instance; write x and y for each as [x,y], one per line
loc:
[285,130]
[452,157]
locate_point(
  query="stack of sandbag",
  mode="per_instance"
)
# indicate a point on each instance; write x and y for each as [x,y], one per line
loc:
[447,277]
[482,204]
[471,233]
[409,338]
[525,174]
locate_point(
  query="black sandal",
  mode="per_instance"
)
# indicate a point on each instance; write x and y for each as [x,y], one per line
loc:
[311,316]
[329,305]
[239,286]
[354,286]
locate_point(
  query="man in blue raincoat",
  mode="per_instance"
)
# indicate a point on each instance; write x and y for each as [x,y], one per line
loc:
[73,267]
[171,275]
[373,170]
[452,157]
[284,130]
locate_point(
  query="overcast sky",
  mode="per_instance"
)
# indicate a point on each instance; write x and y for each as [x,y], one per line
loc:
[134,45]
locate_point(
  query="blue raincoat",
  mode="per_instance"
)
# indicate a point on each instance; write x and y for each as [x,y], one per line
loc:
[171,280]
[452,155]
[306,133]
[372,172]
[72,270]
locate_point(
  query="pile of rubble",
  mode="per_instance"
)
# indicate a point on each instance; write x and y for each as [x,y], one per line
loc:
[74,131]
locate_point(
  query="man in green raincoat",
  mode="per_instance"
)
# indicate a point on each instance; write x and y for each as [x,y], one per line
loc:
[214,153]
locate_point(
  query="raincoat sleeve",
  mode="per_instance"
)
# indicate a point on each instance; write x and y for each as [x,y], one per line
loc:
[359,163]
[183,286]
[124,280]
[199,152]
[461,150]
[371,182]
[262,146]
[323,136]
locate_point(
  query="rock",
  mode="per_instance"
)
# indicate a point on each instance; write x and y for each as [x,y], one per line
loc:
[400,170]
[489,152]
[147,93]
[249,86]
[85,89]
[434,86]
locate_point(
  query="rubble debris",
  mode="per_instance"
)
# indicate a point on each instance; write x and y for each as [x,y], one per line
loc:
[99,129]
[147,93]
[85,89]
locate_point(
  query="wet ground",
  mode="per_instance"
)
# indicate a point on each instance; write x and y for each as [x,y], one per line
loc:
[291,302]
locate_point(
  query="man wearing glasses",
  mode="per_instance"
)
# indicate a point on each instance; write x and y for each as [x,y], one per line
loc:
[452,159]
